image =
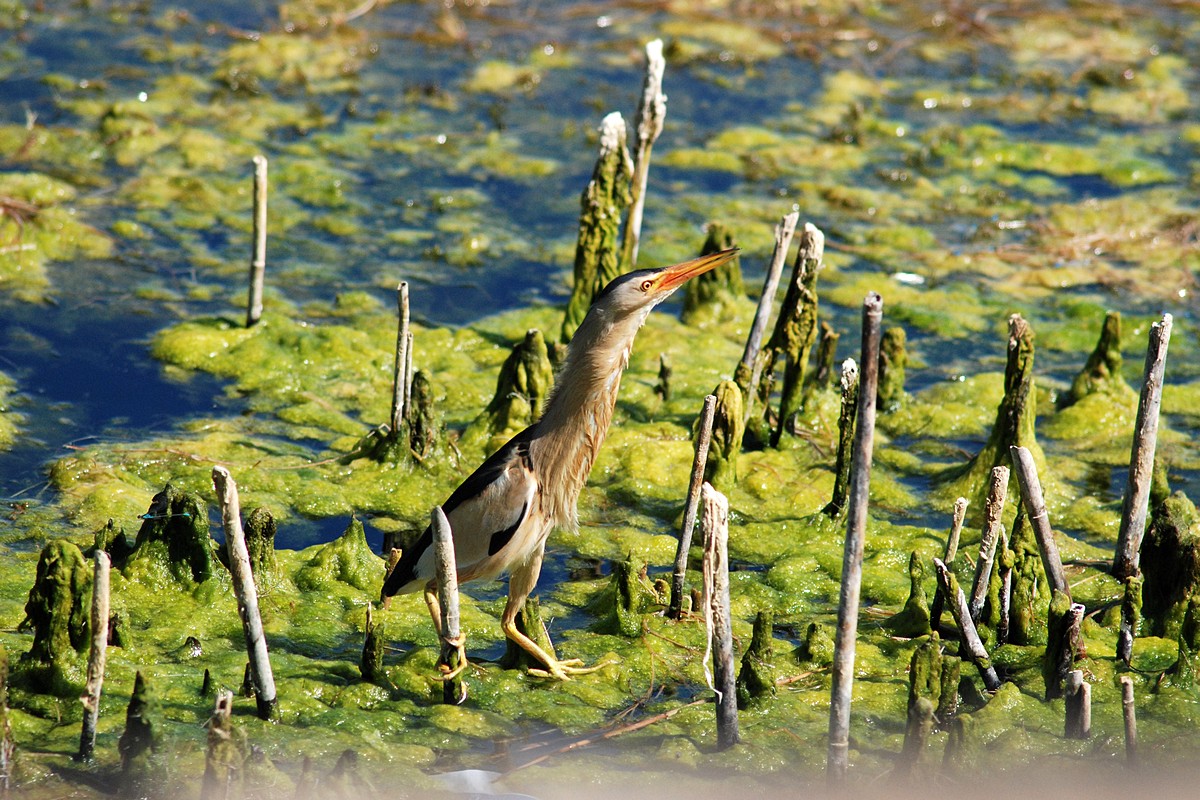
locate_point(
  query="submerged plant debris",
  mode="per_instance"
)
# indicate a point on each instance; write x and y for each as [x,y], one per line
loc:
[968,164]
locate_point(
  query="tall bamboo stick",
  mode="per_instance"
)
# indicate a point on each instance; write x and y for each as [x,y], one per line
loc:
[1141,457]
[1039,518]
[972,645]
[1129,712]
[651,114]
[751,366]
[96,656]
[997,493]
[247,594]
[258,261]
[716,556]
[452,661]
[856,526]
[699,461]
[400,374]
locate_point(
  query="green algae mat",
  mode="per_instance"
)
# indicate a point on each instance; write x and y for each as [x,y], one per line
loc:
[966,163]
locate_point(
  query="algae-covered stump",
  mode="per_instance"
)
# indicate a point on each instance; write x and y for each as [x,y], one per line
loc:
[597,251]
[727,431]
[715,295]
[1015,417]
[796,328]
[138,745]
[174,542]
[57,611]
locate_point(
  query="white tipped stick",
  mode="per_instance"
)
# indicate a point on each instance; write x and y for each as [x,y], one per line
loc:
[699,461]
[651,114]
[258,261]
[97,654]
[838,760]
[1141,458]
[247,593]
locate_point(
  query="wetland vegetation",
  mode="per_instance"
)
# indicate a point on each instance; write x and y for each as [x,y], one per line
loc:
[967,162]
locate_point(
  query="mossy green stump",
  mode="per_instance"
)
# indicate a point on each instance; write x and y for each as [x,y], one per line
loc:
[142,771]
[727,433]
[522,389]
[925,686]
[260,543]
[893,362]
[816,648]
[913,620]
[57,611]
[621,604]
[424,422]
[756,678]
[1170,563]
[1102,372]
[714,296]
[347,559]
[173,545]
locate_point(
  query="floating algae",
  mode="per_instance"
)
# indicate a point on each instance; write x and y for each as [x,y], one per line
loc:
[957,206]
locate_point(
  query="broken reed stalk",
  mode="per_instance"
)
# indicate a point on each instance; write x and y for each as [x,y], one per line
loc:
[650,118]
[408,374]
[400,372]
[956,526]
[846,418]
[96,656]
[699,461]
[716,606]
[860,481]
[1078,694]
[258,261]
[451,661]
[751,366]
[1039,519]
[1129,712]
[1141,456]
[247,594]
[971,643]
[948,556]
[997,494]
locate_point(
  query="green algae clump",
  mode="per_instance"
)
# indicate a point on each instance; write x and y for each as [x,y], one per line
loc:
[173,545]
[347,559]
[57,611]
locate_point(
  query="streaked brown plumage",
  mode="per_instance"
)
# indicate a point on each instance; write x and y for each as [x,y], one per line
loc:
[501,515]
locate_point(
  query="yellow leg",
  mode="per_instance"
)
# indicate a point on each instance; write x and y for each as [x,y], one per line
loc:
[435,611]
[520,584]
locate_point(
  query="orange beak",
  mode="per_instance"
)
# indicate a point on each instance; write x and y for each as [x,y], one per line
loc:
[671,278]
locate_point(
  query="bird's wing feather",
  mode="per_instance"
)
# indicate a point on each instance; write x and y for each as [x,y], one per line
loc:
[484,512]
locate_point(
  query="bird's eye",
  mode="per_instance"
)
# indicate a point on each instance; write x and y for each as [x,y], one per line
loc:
[646,284]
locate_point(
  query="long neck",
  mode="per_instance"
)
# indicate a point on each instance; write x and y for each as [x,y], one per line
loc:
[580,409]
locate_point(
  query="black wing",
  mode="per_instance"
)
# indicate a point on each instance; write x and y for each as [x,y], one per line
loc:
[476,483]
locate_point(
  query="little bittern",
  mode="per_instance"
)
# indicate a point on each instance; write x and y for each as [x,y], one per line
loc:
[501,515]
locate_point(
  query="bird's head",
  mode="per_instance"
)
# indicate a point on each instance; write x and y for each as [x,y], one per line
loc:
[641,290]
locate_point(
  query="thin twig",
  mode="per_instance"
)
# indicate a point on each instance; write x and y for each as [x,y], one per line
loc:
[258,261]
[716,586]
[400,370]
[96,656]
[247,593]
[1141,457]
[699,462]
[751,363]
[997,493]
[1039,518]
[838,760]
[651,115]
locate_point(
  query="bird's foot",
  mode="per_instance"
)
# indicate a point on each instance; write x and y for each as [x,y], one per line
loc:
[563,670]
[459,647]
